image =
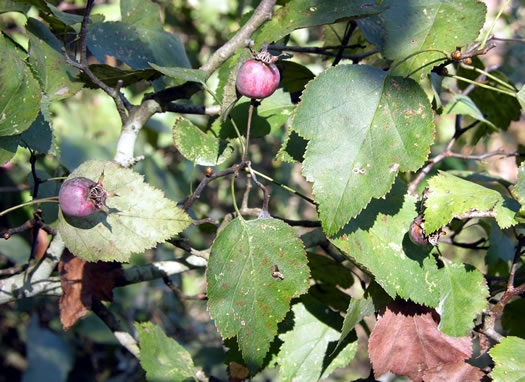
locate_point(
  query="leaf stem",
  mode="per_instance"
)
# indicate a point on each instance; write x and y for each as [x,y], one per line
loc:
[459,78]
[287,188]
[237,131]
[51,199]
[233,197]
[485,39]
[253,104]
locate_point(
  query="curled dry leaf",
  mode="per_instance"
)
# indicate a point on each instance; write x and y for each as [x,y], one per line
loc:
[407,342]
[81,282]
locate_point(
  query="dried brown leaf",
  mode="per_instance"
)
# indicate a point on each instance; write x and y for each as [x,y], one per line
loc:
[42,244]
[81,282]
[453,372]
[407,341]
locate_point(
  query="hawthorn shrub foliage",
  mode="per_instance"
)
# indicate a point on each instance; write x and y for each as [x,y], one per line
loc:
[286,294]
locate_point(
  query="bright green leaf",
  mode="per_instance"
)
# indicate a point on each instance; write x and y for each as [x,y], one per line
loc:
[298,14]
[141,13]
[19,92]
[450,197]
[417,25]
[163,358]
[519,189]
[199,147]
[245,297]
[306,351]
[463,296]
[139,217]
[378,240]
[465,106]
[509,357]
[521,97]
[363,127]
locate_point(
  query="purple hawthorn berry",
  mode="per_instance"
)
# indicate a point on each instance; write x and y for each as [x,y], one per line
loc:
[82,197]
[258,78]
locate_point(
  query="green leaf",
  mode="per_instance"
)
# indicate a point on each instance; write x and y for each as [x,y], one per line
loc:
[135,45]
[182,74]
[363,127]
[49,357]
[450,197]
[293,148]
[110,75]
[19,92]
[145,14]
[8,148]
[163,358]
[305,353]
[512,318]
[463,296]
[378,240]
[139,216]
[66,18]
[294,76]
[521,97]
[199,147]
[298,14]
[519,189]
[39,137]
[417,25]
[326,270]
[11,6]
[56,77]
[245,298]
[501,246]
[509,356]
[465,106]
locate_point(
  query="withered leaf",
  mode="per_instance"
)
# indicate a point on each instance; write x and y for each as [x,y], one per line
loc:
[407,342]
[81,282]
[459,371]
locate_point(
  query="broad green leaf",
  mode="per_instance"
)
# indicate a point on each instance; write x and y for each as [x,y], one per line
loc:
[463,296]
[199,147]
[464,105]
[110,75]
[19,92]
[450,197]
[509,357]
[139,216]
[501,246]
[141,13]
[49,356]
[294,76]
[11,6]
[245,297]
[163,358]
[298,14]
[519,189]
[182,74]
[39,137]
[8,148]
[305,354]
[378,240]
[412,26]
[66,18]
[521,97]
[135,45]
[364,127]
[293,148]
[56,77]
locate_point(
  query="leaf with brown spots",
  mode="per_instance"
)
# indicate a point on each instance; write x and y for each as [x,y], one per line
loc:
[407,342]
[245,298]
[459,371]
[81,282]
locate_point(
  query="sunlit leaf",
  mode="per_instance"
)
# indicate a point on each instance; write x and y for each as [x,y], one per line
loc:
[139,216]
[464,105]
[256,267]
[509,356]
[364,127]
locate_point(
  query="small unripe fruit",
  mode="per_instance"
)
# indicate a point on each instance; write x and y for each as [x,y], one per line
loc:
[468,61]
[456,55]
[209,171]
[81,197]
[258,78]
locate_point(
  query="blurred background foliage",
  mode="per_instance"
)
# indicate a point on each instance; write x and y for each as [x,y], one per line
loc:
[33,345]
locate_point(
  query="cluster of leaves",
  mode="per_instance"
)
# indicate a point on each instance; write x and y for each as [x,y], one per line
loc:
[359,131]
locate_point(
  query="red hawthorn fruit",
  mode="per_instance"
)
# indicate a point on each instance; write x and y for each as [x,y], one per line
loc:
[258,78]
[82,197]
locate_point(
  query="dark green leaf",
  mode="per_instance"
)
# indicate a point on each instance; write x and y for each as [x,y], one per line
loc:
[8,148]
[364,127]
[110,75]
[501,246]
[182,74]
[162,357]
[39,137]
[293,148]
[294,76]
[19,92]
[464,105]
[246,297]
[512,318]
[11,6]
[328,271]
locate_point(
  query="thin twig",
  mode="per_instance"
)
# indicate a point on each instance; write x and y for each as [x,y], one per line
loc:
[266,197]
[322,51]
[350,28]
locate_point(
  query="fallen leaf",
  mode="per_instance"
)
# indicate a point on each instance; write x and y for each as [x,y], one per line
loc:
[454,372]
[407,342]
[81,282]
